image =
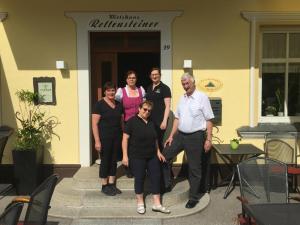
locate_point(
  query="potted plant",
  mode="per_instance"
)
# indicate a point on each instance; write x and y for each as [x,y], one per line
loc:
[234,143]
[270,110]
[34,130]
[280,101]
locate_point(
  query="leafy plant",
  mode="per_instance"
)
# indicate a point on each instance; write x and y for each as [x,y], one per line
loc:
[215,138]
[280,100]
[35,127]
[237,140]
[271,110]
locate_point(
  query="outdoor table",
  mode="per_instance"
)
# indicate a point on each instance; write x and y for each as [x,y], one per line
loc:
[274,213]
[225,151]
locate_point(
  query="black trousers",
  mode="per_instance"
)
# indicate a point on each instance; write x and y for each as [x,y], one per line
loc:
[193,145]
[109,151]
[139,167]
[160,137]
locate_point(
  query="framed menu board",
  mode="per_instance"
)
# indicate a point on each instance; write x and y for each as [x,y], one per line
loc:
[45,88]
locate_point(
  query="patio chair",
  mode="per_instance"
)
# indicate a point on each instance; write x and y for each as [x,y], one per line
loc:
[5,132]
[39,202]
[283,147]
[11,214]
[3,141]
[262,181]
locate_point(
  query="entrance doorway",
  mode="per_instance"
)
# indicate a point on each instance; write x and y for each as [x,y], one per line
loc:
[114,53]
[141,63]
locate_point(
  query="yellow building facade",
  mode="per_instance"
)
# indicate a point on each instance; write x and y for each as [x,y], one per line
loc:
[223,40]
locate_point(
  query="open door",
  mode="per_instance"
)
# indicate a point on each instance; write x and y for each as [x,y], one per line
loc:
[104,69]
[114,53]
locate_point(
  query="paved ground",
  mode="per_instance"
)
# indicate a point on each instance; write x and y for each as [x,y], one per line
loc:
[219,212]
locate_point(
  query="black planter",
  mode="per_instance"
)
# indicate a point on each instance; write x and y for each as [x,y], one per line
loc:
[26,171]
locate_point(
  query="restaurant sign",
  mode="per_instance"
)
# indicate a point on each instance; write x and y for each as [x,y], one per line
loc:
[210,85]
[127,21]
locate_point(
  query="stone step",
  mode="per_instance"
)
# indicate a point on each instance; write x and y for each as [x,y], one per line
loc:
[80,199]
[64,195]
[83,213]
[87,178]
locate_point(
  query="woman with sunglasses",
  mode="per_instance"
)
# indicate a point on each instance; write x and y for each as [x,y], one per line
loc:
[142,154]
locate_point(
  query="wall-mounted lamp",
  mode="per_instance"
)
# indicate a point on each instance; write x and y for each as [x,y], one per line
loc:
[61,65]
[187,64]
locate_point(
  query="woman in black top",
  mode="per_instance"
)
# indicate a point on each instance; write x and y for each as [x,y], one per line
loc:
[140,145]
[106,125]
[160,95]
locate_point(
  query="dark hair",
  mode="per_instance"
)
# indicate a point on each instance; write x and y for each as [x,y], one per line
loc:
[108,85]
[146,102]
[130,72]
[155,68]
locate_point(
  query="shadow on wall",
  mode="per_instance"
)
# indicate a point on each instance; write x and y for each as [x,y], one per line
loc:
[49,38]
[7,114]
[53,35]
[8,118]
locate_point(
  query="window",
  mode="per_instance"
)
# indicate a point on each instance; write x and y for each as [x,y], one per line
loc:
[280,75]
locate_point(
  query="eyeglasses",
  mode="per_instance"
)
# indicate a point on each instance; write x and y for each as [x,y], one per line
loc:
[147,110]
[131,78]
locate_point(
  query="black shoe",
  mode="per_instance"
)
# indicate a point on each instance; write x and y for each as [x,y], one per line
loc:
[106,189]
[128,172]
[191,204]
[117,190]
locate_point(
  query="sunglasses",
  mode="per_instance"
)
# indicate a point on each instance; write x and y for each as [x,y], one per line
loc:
[147,110]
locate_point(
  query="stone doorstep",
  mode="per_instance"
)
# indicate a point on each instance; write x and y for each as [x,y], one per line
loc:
[66,196]
[80,198]
[118,221]
[129,212]
[88,178]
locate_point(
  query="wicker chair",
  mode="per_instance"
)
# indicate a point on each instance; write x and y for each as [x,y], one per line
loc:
[11,214]
[283,147]
[39,202]
[262,181]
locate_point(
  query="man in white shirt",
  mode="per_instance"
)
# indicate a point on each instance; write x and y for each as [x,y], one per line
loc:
[192,131]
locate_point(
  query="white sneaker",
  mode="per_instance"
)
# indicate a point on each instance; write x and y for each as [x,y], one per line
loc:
[141,209]
[160,208]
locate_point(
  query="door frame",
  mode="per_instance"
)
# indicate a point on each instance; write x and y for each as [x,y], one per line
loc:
[107,22]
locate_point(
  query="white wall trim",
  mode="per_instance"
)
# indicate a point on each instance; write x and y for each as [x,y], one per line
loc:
[254,18]
[3,16]
[108,21]
[271,16]
[252,73]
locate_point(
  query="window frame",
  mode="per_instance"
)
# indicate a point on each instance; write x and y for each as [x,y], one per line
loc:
[286,30]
